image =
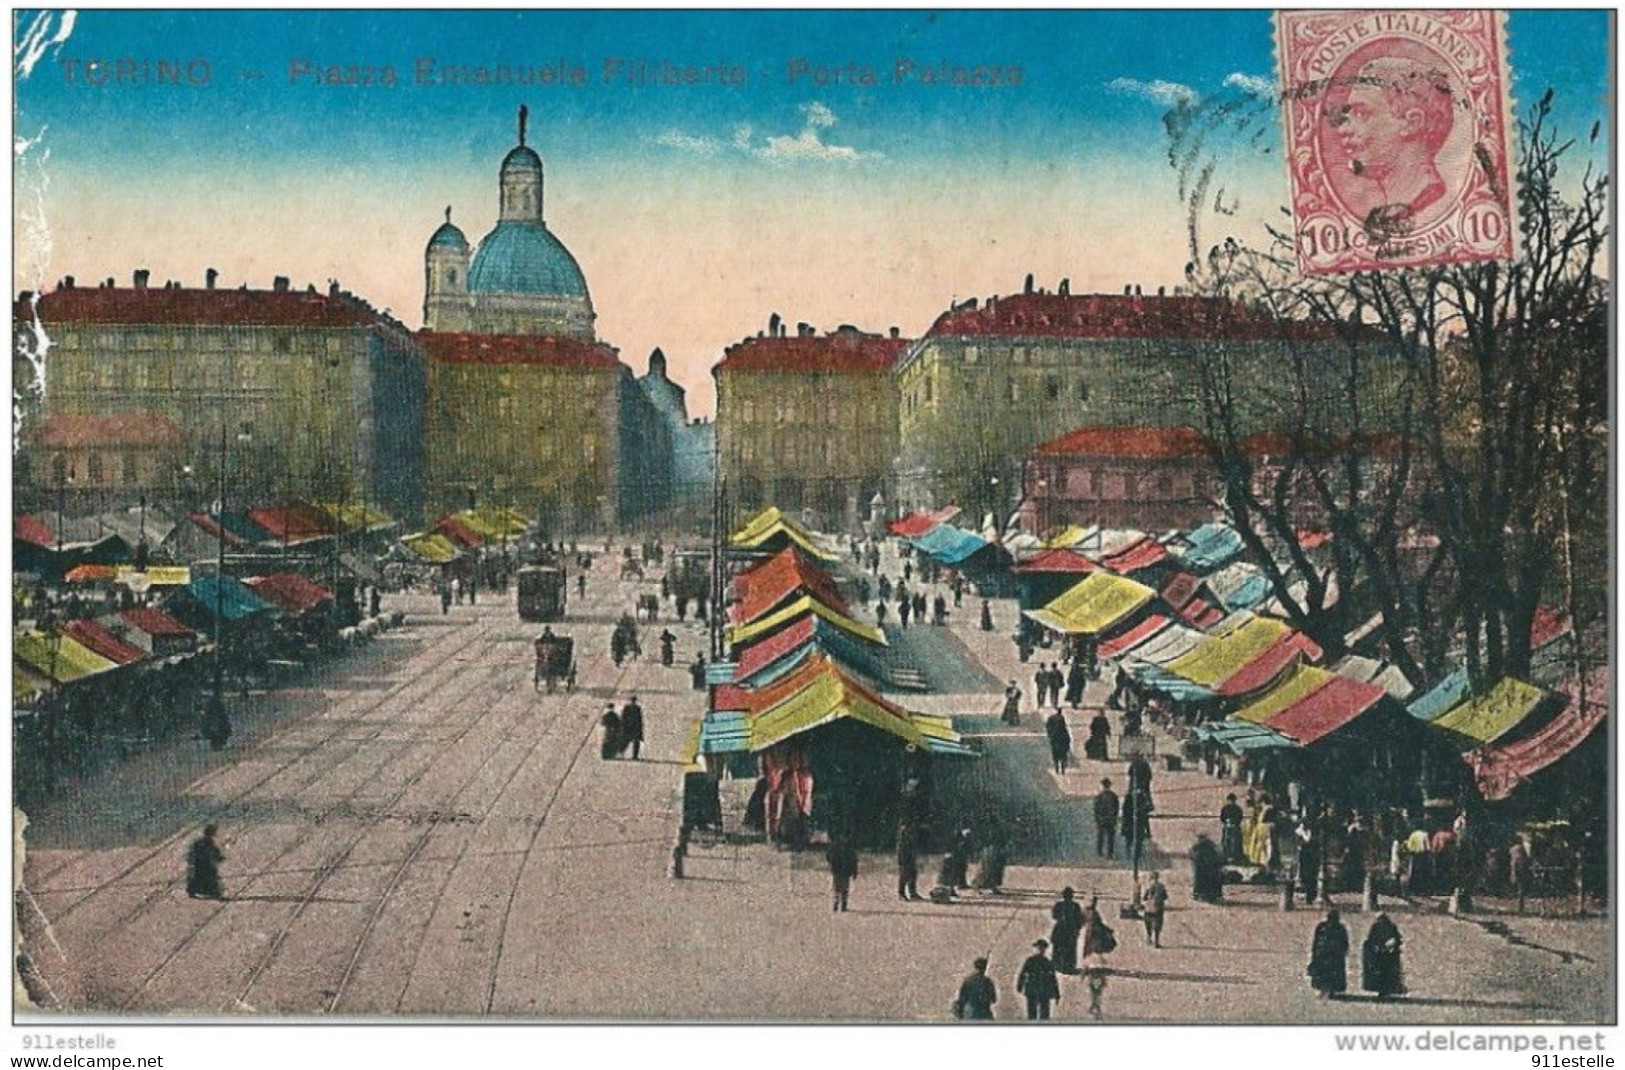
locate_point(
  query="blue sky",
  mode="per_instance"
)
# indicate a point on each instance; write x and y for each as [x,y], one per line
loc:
[711,204]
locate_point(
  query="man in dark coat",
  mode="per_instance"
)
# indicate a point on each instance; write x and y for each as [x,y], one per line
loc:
[1230,819]
[1154,907]
[1076,678]
[1041,685]
[1328,957]
[1060,739]
[1096,748]
[1107,811]
[696,673]
[203,860]
[908,863]
[1207,871]
[609,733]
[843,866]
[1380,969]
[1037,981]
[632,727]
[668,647]
[977,994]
[1068,915]
[987,615]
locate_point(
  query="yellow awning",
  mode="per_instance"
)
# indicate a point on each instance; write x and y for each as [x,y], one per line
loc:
[1094,604]
[25,685]
[747,631]
[351,516]
[1296,687]
[432,547]
[1067,537]
[1221,656]
[770,522]
[490,523]
[1493,714]
[828,698]
[72,660]
[157,575]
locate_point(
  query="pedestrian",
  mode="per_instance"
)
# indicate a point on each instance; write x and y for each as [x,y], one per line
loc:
[843,866]
[682,608]
[939,611]
[581,584]
[216,725]
[1041,685]
[445,597]
[1068,916]
[908,863]
[203,860]
[880,613]
[1095,977]
[375,603]
[632,727]
[1077,677]
[1328,957]
[609,733]
[905,606]
[668,647]
[1230,817]
[1154,904]
[1097,938]
[1011,713]
[1097,747]
[1038,983]
[1107,811]
[977,995]
[987,615]
[1518,869]
[1060,740]
[1380,970]
[1207,871]
[954,873]
[696,673]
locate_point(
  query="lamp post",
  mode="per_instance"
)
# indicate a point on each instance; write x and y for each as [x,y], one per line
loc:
[216,722]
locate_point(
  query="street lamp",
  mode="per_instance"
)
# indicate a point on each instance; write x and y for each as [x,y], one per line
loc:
[216,722]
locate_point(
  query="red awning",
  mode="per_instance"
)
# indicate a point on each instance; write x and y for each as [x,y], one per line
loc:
[729,697]
[912,526]
[103,642]
[1117,644]
[155,622]
[457,531]
[1135,556]
[32,529]
[1056,561]
[1499,770]
[292,523]
[785,574]
[1547,625]
[759,656]
[289,590]
[1326,709]
[91,574]
[1269,665]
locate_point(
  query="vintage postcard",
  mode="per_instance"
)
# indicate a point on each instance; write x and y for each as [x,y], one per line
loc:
[865,517]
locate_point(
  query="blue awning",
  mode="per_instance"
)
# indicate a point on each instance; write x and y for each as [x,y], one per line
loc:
[1212,546]
[232,599]
[950,545]
[1158,679]
[1445,696]
[1251,594]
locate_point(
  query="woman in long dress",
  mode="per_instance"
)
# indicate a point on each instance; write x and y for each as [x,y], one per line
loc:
[1328,957]
[1063,937]
[1380,969]
[1098,939]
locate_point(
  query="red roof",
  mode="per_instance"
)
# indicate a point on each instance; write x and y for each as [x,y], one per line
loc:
[778,578]
[840,351]
[27,528]
[103,642]
[757,699]
[1268,665]
[183,307]
[1325,710]
[1141,442]
[1117,644]
[155,622]
[68,430]
[1056,561]
[1499,770]
[729,697]
[519,349]
[1045,315]
[454,529]
[1548,624]
[292,523]
[289,590]
[1135,556]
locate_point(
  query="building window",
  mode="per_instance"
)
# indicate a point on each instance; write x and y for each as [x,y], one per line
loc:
[1011,391]
[280,342]
[1097,483]
[1165,485]
[451,276]
[95,468]
[928,390]
[747,412]
[1052,388]
[970,354]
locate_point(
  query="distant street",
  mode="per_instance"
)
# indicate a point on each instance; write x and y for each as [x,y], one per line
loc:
[416,831]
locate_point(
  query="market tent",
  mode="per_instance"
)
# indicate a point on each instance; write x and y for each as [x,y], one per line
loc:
[91,574]
[1070,536]
[1061,561]
[1443,697]
[763,626]
[1372,671]
[431,547]
[28,528]
[70,662]
[1326,709]
[239,528]
[1488,717]
[290,591]
[770,530]
[950,545]
[293,524]
[768,660]
[1500,769]
[97,638]
[1211,547]
[1140,554]
[1270,665]
[1171,642]
[1189,597]
[158,632]
[1304,681]
[459,533]
[918,523]
[1126,640]
[783,576]
[1093,605]
[832,696]
[349,517]
[235,600]
[1224,655]
[493,524]
[1242,736]
[155,575]
[1174,686]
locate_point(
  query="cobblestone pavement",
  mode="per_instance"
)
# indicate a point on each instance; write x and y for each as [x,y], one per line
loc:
[416,831]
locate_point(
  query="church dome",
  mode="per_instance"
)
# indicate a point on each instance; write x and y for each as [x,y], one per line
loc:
[448,237]
[522,157]
[524,257]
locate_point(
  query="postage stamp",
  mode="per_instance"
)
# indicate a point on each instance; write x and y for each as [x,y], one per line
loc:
[1397,132]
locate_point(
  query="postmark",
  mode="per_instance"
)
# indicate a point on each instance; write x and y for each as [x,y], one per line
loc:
[1398,131]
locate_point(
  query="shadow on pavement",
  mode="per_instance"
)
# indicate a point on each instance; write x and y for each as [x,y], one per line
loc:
[1194,978]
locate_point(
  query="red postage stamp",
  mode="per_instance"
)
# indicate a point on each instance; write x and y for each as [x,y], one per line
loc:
[1398,125]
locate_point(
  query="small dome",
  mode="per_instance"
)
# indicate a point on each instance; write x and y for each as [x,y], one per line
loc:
[524,257]
[448,237]
[524,157]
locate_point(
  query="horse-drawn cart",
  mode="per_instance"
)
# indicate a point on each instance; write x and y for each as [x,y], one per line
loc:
[555,661]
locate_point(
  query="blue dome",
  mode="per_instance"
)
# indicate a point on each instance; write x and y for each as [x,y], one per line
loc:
[448,236]
[525,258]
[522,156]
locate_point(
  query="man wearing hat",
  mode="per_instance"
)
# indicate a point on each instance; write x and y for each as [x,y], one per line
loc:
[1037,981]
[977,994]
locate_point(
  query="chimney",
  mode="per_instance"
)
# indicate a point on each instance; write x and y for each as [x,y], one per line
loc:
[280,284]
[1162,291]
[67,282]
[332,287]
[1066,288]
[803,329]
[209,277]
[1027,288]
[1128,291]
[1136,289]
[109,283]
[893,332]
[141,276]
[773,325]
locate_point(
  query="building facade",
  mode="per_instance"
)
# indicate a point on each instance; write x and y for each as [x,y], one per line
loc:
[692,443]
[280,393]
[1150,478]
[989,382]
[100,461]
[809,422]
